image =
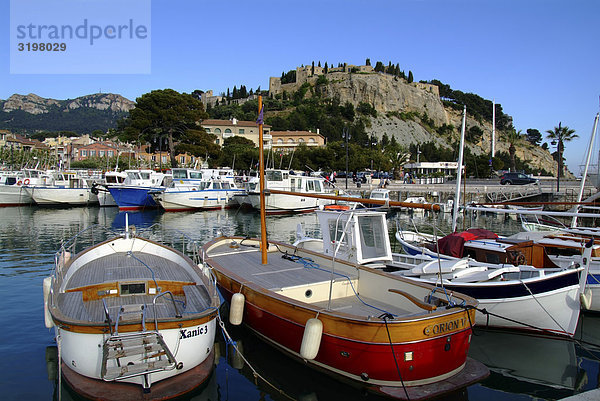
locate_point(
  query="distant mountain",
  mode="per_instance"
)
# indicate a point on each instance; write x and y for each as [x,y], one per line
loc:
[27,114]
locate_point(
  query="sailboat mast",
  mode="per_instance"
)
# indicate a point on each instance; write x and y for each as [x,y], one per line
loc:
[493,149]
[459,170]
[587,165]
[261,169]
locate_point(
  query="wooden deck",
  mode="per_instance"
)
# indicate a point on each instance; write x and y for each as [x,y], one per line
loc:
[278,273]
[121,267]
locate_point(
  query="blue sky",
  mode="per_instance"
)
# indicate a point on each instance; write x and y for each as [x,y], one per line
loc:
[538,58]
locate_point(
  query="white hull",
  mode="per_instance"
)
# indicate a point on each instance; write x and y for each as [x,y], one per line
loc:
[14,195]
[187,200]
[106,199]
[62,196]
[557,311]
[83,352]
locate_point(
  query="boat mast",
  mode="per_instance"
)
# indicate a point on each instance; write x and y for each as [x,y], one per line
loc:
[459,170]
[261,169]
[585,171]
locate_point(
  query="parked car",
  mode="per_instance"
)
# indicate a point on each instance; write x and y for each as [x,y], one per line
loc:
[516,179]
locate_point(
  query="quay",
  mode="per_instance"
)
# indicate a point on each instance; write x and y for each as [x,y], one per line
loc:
[591,395]
[478,191]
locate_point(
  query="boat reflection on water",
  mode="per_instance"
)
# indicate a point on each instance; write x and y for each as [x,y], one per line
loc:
[288,378]
[543,367]
[141,219]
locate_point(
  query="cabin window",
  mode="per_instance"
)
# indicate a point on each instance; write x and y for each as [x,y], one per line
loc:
[179,174]
[335,233]
[492,257]
[372,237]
[226,185]
[273,175]
[311,185]
[216,185]
[292,184]
[318,187]
[133,288]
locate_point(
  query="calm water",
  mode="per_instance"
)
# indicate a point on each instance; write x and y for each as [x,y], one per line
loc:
[523,367]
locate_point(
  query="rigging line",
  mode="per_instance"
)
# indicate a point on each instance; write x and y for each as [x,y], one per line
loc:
[229,340]
[385,317]
[488,314]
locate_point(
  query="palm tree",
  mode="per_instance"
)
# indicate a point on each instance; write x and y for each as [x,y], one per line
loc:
[513,137]
[559,135]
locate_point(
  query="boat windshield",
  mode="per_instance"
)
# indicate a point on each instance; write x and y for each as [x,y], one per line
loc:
[372,240]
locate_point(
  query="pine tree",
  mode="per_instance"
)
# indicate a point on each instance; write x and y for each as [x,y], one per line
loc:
[368,61]
[410,76]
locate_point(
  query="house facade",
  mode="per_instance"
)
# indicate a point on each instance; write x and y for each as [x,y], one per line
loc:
[224,129]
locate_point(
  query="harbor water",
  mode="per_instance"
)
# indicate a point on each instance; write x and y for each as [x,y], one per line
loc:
[523,367]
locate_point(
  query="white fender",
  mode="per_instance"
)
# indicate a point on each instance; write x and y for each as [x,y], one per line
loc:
[236,309]
[586,299]
[311,340]
[47,316]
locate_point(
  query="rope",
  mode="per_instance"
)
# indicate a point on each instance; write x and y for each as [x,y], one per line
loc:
[310,264]
[541,306]
[385,316]
[230,341]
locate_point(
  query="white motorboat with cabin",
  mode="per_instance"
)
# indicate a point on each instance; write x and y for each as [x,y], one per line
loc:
[282,180]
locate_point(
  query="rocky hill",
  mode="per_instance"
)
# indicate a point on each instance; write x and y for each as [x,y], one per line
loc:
[31,113]
[402,108]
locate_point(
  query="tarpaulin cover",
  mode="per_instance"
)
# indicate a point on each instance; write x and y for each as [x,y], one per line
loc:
[454,244]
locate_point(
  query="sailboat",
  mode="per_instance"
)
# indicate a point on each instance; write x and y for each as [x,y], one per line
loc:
[386,333]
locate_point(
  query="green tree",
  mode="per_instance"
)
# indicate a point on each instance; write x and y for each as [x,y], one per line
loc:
[410,77]
[513,137]
[161,114]
[559,135]
[534,136]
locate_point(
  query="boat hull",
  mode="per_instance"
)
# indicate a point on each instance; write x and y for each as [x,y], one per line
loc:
[14,195]
[282,204]
[358,359]
[132,198]
[45,196]
[174,201]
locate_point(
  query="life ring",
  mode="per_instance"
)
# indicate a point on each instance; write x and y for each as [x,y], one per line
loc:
[19,182]
[26,182]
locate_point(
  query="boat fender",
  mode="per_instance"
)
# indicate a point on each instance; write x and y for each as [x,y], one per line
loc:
[236,309]
[19,183]
[236,360]
[311,340]
[586,299]
[47,316]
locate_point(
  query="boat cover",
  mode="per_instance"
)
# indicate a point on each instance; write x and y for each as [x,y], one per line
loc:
[453,244]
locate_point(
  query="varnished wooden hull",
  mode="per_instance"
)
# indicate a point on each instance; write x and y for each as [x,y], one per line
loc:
[427,347]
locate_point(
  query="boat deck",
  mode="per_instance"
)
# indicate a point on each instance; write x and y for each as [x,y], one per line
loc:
[293,279]
[122,267]
[277,274]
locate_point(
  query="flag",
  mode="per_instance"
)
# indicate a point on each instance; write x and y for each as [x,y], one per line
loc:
[260,116]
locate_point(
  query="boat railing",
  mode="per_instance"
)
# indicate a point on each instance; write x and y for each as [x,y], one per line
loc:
[107,314]
[177,314]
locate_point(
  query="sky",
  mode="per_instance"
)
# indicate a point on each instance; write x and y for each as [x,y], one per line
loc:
[537,58]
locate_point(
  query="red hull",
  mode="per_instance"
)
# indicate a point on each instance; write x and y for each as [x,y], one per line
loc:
[371,362]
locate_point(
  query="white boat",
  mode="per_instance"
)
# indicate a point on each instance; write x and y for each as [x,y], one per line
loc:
[210,193]
[282,180]
[523,297]
[63,188]
[12,186]
[130,310]
[100,187]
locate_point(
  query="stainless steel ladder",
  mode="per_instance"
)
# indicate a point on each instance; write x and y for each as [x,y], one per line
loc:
[145,352]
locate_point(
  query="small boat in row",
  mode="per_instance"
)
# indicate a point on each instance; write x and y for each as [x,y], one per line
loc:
[131,314]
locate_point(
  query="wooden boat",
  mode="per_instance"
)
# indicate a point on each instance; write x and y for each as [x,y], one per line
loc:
[517,297]
[130,310]
[367,320]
